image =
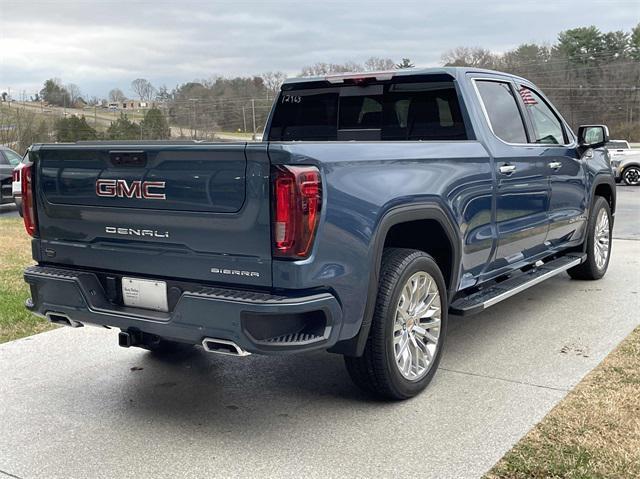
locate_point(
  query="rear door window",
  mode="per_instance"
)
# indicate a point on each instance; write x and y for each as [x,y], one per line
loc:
[420,111]
[502,109]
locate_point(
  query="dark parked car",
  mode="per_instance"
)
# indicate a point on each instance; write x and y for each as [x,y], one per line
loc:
[9,159]
[377,204]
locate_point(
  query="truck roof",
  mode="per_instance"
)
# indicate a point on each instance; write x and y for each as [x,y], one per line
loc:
[454,72]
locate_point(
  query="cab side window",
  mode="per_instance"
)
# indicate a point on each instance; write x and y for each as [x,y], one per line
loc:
[502,109]
[547,126]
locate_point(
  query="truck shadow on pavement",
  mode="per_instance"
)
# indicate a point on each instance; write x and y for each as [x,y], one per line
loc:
[547,337]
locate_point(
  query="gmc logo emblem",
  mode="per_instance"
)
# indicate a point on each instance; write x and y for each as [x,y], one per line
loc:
[134,189]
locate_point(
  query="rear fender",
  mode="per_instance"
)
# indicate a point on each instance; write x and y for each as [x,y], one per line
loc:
[401,214]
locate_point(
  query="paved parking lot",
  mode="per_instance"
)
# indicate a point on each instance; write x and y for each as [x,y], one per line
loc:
[8,211]
[74,405]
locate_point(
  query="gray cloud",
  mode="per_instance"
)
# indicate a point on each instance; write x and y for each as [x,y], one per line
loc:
[102,44]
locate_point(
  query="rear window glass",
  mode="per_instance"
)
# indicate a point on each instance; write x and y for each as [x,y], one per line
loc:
[14,158]
[396,111]
[618,145]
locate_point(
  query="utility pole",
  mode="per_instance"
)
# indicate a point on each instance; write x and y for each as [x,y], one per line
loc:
[244,120]
[253,112]
[194,128]
[95,115]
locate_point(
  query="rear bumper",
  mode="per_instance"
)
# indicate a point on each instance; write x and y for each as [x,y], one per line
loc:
[256,321]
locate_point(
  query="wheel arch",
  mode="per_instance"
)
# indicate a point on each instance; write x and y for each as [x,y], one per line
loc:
[390,231]
[605,187]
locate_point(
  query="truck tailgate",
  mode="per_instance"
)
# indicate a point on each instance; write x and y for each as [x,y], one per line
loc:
[196,211]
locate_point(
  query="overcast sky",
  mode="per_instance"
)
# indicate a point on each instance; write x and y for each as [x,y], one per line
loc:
[103,44]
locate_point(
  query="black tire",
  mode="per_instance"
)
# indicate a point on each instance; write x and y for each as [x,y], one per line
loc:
[631,176]
[376,371]
[589,270]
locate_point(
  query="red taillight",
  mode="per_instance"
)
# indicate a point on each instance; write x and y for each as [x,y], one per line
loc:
[28,209]
[297,197]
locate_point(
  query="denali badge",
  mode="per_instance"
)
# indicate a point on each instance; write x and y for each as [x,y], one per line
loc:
[136,232]
[137,189]
[235,272]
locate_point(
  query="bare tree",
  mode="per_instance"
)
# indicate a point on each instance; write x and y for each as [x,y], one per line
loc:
[322,68]
[272,81]
[378,63]
[143,88]
[20,128]
[474,57]
[116,95]
[74,92]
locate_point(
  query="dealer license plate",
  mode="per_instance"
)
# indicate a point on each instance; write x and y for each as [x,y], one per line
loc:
[145,293]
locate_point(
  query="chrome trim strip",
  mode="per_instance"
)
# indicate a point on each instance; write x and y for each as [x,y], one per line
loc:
[528,284]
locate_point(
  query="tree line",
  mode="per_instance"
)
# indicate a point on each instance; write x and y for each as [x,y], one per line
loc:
[590,76]
[153,126]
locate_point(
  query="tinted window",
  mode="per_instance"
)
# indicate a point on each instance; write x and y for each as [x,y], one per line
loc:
[14,158]
[306,115]
[547,126]
[618,145]
[502,109]
[397,111]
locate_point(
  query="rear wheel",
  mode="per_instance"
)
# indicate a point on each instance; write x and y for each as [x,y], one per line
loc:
[408,330]
[598,243]
[631,176]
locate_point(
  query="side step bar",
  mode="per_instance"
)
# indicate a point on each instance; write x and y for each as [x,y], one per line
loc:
[481,300]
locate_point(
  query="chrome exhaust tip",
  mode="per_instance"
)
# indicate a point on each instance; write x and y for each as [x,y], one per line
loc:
[63,320]
[223,346]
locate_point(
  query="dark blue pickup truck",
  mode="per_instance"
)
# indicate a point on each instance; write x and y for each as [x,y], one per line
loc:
[377,204]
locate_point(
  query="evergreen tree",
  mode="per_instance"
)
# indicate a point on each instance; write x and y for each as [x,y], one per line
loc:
[155,126]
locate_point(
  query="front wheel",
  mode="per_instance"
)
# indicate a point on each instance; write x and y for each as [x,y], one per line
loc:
[408,329]
[631,176]
[598,243]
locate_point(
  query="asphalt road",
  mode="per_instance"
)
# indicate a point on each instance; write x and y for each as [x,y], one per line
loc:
[8,210]
[75,405]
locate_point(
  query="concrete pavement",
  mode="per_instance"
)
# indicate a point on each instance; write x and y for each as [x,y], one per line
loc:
[75,405]
[8,211]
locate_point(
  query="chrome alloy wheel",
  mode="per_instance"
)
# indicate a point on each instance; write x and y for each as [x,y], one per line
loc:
[416,329]
[602,239]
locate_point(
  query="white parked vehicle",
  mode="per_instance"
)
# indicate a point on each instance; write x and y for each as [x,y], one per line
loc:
[627,168]
[625,162]
[618,148]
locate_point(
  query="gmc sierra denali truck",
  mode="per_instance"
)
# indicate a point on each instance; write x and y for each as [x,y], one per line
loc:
[377,204]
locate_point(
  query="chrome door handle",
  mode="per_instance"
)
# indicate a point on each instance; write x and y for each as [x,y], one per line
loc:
[556,165]
[507,169]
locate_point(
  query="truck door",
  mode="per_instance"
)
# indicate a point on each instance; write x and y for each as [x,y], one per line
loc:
[568,200]
[522,177]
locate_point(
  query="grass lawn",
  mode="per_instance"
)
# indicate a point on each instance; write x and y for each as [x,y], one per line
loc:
[15,254]
[593,433]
